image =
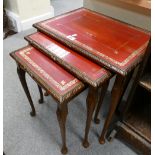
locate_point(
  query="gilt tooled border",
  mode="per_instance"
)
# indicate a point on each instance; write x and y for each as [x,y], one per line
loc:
[59,98]
[96,83]
[41,71]
[131,56]
[113,66]
[97,59]
[96,13]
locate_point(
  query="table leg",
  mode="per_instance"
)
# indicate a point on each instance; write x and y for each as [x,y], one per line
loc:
[101,97]
[46,93]
[41,100]
[21,75]
[91,103]
[117,91]
[62,111]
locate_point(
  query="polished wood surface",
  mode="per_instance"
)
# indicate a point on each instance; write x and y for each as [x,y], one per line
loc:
[91,104]
[101,97]
[116,95]
[145,81]
[21,75]
[62,112]
[110,43]
[60,84]
[81,67]
[146,4]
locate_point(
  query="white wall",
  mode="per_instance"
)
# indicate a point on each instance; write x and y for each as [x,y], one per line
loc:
[11,5]
[33,8]
[23,13]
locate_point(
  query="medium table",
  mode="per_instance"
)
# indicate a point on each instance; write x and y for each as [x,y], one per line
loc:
[112,44]
[87,71]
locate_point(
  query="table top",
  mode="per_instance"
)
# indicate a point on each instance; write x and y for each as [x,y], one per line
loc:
[111,43]
[62,85]
[81,67]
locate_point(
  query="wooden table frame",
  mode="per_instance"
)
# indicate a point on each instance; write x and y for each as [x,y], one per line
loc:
[118,90]
[122,74]
[94,85]
[62,109]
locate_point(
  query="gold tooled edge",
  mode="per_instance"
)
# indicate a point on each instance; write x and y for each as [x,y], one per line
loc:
[96,59]
[95,83]
[59,98]
[123,71]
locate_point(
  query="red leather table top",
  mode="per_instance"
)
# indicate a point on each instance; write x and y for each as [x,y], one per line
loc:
[108,42]
[59,82]
[83,68]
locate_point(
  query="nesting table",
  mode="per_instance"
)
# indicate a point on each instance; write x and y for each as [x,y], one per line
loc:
[93,48]
[62,86]
[89,72]
[117,46]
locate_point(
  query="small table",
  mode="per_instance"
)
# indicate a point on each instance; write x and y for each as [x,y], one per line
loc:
[87,71]
[115,45]
[62,86]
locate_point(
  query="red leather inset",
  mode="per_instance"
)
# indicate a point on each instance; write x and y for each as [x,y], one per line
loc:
[116,43]
[86,67]
[51,73]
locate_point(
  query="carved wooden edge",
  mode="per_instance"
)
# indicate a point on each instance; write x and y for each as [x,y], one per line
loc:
[127,134]
[91,56]
[59,98]
[95,83]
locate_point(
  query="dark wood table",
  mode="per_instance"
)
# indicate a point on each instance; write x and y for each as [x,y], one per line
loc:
[134,123]
[112,44]
[87,71]
[41,68]
[61,85]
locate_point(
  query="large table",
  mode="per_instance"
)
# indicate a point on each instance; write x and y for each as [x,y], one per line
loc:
[117,46]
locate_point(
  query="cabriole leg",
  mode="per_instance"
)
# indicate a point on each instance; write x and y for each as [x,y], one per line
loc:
[46,93]
[21,75]
[41,100]
[62,111]
[91,103]
[101,97]
[117,92]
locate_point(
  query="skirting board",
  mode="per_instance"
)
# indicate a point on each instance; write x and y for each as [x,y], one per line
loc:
[18,25]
